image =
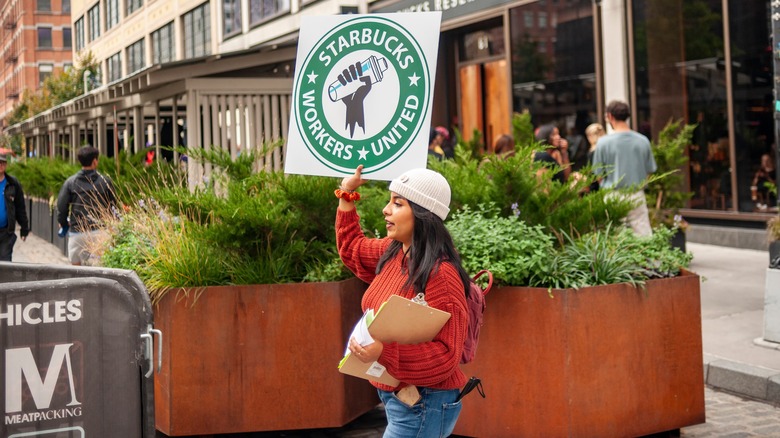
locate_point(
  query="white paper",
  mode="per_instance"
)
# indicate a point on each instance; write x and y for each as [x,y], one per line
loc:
[360,332]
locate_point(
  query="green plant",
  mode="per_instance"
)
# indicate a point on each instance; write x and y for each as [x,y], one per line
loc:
[655,255]
[513,185]
[42,177]
[241,228]
[134,180]
[127,247]
[601,257]
[244,227]
[523,255]
[474,148]
[523,128]
[511,249]
[607,257]
[665,194]
[773,228]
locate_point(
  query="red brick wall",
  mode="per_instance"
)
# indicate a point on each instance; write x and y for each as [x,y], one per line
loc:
[19,37]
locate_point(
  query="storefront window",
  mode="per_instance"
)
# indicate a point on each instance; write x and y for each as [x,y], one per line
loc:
[754,140]
[553,68]
[680,74]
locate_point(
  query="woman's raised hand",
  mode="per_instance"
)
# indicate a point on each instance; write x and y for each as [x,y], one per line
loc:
[352,182]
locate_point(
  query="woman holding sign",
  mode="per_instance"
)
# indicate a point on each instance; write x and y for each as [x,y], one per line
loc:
[417,256]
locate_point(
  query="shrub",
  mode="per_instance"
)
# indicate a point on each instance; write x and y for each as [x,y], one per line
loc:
[262,227]
[506,246]
[513,185]
[605,257]
[42,177]
[664,193]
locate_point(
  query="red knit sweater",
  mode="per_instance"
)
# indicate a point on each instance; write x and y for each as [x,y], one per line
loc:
[431,364]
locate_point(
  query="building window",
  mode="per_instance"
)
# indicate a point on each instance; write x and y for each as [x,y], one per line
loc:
[197,35]
[231,11]
[134,5]
[528,19]
[259,10]
[43,5]
[79,34]
[681,74]
[542,20]
[44,38]
[114,67]
[67,66]
[67,38]
[93,16]
[135,56]
[162,44]
[553,70]
[66,6]
[44,71]
[112,13]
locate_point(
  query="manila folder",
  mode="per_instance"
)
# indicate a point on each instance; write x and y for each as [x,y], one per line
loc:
[403,321]
[372,371]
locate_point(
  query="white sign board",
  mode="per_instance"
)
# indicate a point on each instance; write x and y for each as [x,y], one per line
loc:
[362,94]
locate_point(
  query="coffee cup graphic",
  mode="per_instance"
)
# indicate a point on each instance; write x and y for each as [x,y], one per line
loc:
[372,67]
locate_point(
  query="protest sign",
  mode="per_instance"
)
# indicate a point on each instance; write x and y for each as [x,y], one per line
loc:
[362,94]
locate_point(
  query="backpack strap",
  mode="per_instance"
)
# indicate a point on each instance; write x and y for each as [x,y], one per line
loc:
[490,280]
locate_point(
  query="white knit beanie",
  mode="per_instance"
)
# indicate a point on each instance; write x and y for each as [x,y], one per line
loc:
[426,188]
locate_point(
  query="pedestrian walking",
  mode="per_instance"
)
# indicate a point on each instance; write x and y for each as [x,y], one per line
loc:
[84,199]
[12,211]
[417,257]
[625,160]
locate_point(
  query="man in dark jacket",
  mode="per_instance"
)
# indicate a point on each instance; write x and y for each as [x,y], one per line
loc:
[84,199]
[12,210]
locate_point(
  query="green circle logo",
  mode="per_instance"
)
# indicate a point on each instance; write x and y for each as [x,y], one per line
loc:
[362,94]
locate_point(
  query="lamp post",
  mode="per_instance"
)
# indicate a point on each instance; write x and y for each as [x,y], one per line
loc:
[86,76]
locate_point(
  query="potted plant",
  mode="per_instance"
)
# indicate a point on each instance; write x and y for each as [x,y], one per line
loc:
[573,326]
[254,304]
[583,307]
[273,228]
[664,192]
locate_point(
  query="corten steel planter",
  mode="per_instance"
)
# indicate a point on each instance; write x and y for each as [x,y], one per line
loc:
[606,361]
[258,358]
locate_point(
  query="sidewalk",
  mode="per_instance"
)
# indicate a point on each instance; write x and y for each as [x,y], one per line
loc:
[736,358]
[37,250]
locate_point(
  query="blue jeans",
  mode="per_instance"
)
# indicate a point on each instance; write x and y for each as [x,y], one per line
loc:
[434,415]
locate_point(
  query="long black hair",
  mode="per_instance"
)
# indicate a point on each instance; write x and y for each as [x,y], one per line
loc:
[544,133]
[431,245]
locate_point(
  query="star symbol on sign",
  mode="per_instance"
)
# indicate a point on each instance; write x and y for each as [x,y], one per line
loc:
[413,79]
[363,152]
[312,77]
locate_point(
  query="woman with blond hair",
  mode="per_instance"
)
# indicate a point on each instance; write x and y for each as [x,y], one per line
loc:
[593,132]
